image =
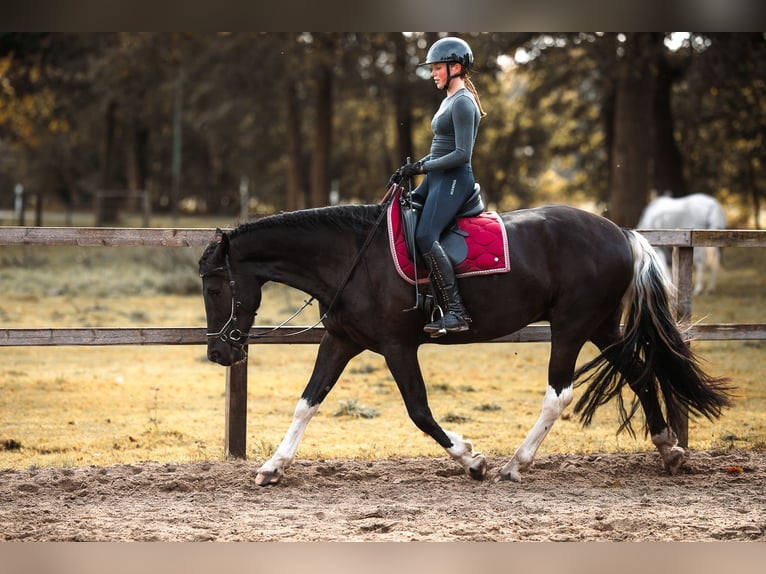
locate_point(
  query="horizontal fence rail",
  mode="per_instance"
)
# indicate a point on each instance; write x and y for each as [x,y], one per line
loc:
[682,241]
[106,236]
[705,237]
[113,336]
[199,237]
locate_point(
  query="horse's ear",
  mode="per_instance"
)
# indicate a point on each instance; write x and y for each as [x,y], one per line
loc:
[216,252]
[222,248]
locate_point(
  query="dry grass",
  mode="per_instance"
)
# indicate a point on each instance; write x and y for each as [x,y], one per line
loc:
[75,406]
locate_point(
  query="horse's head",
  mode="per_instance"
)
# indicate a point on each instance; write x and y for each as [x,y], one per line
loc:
[230,304]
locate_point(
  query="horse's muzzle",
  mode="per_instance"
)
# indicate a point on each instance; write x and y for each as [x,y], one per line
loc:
[225,355]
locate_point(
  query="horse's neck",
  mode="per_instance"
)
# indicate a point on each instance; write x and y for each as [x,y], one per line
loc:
[311,262]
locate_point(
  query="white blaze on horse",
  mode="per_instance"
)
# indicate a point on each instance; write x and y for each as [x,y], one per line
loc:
[695,211]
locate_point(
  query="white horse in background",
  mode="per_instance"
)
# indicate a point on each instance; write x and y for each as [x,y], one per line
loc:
[695,211]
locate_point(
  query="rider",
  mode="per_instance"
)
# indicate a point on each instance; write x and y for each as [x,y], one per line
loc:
[448,178]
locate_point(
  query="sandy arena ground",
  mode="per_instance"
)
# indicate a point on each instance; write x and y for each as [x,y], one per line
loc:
[719,496]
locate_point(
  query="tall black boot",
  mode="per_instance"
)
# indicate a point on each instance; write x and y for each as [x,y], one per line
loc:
[454,317]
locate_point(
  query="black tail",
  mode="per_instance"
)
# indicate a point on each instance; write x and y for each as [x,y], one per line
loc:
[653,350]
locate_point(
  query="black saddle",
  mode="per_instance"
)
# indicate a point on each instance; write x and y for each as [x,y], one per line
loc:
[453,238]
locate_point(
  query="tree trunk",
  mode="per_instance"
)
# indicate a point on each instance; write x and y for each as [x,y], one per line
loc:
[136,160]
[630,167]
[320,168]
[668,162]
[755,191]
[296,197]
[107,208]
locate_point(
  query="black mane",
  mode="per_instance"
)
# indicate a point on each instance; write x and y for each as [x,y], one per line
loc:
[357,218]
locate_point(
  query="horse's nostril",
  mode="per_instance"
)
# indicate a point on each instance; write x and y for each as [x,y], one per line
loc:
[214,356]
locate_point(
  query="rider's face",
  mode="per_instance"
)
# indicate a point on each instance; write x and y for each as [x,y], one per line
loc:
[439,73]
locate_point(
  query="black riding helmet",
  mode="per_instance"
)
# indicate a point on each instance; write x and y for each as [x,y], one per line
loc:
[450,49]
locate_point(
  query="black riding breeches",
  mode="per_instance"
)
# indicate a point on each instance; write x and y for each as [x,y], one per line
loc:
[444,193]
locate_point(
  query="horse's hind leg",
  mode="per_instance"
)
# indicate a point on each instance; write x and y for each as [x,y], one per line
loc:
[333,356]
[663,437]
[699,257]
[713,261]
[403,363]
[557,397]
[706,259]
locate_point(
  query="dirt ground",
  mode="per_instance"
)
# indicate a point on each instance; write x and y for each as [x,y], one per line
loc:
[720,495]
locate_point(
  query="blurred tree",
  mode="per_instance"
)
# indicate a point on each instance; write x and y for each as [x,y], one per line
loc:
[41,86]
[299,113]
[721,111]
[633,129]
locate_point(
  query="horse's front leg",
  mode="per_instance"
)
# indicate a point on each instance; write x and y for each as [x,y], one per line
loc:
[403,363]
[333,356]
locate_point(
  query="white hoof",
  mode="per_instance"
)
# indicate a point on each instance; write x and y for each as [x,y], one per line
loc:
[268,477]
[511,471]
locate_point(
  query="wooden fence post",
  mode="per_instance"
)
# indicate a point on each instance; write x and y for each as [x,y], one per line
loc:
[236,411]
[683,261]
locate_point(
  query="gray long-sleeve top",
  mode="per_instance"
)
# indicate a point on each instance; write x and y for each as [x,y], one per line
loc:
[455,125]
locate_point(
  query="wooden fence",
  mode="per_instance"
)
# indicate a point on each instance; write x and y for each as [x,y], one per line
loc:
[682,242]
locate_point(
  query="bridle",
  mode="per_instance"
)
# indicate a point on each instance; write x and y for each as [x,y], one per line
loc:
[229,333]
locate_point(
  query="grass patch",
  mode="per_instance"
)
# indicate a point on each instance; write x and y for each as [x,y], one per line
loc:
[488,407]
[354,410]
[455,418]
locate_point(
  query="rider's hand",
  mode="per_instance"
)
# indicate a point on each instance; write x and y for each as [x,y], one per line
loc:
[411,169]
[395,178]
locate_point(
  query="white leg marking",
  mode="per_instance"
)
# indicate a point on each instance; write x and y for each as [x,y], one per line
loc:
[672,454]
[461,450]
[553,406]
[273,469]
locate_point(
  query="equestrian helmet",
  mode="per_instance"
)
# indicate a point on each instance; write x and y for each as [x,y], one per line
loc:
[450,49]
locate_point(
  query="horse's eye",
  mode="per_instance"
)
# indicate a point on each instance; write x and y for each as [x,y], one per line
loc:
[213,291]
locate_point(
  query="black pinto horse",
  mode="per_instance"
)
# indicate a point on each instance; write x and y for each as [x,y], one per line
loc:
[576,270]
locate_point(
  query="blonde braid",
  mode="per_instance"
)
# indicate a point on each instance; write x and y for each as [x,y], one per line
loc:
[472,89]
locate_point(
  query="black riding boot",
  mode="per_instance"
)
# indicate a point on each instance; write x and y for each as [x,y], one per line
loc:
[454,316]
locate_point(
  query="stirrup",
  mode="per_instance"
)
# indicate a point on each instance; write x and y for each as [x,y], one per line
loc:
[438,327]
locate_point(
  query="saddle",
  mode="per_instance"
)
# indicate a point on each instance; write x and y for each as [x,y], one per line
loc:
[476,242]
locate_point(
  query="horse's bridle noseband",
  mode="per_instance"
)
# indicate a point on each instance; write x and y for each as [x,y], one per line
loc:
[229,333]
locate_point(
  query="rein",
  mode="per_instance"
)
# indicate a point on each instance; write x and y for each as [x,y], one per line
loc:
[388,198]
[235,336]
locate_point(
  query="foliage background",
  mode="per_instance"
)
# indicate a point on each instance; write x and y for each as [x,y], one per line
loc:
[597,118]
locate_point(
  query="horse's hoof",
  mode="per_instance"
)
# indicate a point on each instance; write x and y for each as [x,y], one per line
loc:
[268,477]
[508,477]
[478,468]
[674,460]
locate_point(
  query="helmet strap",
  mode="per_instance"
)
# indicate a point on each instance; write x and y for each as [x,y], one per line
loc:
[450,76]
